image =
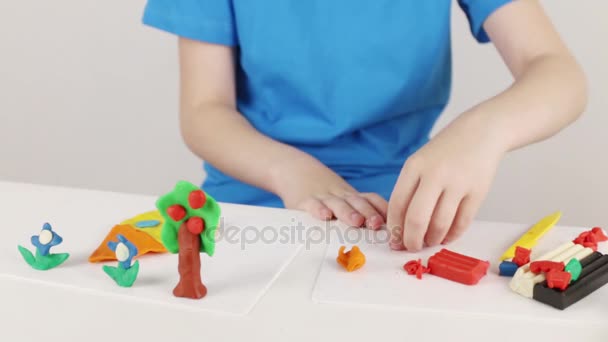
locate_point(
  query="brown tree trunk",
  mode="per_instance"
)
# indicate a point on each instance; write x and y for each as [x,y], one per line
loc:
[189,265]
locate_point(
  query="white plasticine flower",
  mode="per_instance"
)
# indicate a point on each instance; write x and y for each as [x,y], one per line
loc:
[122,252]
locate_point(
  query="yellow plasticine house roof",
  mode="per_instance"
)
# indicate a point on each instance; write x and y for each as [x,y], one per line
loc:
[149,216]
[147,240]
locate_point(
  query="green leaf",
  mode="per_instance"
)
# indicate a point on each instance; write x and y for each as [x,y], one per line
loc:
[55,260]
[111,271]
[210,213]
[42,262]
[122,277]
[27,255]
[179,195]
[49,261]
[168,235]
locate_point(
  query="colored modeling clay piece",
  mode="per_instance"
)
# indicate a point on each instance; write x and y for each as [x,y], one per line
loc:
[596,234]
[507,268]
[176,212]
[587,239]
[195,225]
[43,242]
[522,256]
[530,238]
[147,239]
[457,267]
[547,256]
[575,268]
[147,224]
[587,236]
[415,267]
[145,242]
[558,279]
[524,280]
[591,238]
[190,221]
[351,260]
[196,199]
[593,276]
[546,266]
[155,231]
[592,245]
[125,274]
[600,234]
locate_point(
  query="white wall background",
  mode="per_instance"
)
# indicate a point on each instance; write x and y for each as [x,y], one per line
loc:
[88,98]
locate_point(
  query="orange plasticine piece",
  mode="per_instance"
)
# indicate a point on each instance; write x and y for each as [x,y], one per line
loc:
[144,242]
[351,260]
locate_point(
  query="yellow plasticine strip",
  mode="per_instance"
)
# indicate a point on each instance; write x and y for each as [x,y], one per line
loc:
[530,238]
[154,232]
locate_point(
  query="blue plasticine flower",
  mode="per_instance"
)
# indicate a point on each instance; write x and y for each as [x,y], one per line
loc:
[125,251]
[46,239]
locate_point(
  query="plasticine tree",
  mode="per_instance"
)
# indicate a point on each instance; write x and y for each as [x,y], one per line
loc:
[191,219]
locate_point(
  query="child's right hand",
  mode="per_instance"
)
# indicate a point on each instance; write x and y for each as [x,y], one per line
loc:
[308,185]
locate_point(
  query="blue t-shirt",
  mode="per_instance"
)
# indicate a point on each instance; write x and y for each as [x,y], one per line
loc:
[358,84]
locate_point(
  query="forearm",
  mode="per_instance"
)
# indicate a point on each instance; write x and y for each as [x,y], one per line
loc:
[549,94]
[224,138]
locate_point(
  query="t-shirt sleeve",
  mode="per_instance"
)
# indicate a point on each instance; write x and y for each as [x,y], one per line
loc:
[477,12]
[210,21]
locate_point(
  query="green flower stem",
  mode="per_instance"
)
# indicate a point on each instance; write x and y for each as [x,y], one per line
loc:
[123,277]
[40,262]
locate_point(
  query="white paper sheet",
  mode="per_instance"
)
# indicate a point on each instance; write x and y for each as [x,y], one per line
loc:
[237,276]
[382,282]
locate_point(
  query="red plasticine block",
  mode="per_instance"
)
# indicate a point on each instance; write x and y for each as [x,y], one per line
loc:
[558,279]
[546,266]
[457,267]
[522,256]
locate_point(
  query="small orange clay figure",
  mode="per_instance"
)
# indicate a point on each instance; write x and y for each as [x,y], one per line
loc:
[352,260]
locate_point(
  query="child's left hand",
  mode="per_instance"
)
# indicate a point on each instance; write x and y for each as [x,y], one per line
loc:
[442,186]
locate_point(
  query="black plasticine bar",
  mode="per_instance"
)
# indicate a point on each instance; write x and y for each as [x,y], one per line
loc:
[593,276]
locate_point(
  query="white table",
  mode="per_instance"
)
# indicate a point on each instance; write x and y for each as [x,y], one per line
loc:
[285,313]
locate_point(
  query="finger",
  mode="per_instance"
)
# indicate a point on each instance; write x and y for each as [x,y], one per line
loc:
[317,209]
[344,211]
[378,202]
[418,214]
[464,217]
[399,201]
[442,217]
[373,219]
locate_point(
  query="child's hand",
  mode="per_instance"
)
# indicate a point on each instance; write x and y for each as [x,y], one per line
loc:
[441,187]
[308,185]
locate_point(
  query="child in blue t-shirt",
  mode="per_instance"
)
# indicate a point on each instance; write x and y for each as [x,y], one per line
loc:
[326,105]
